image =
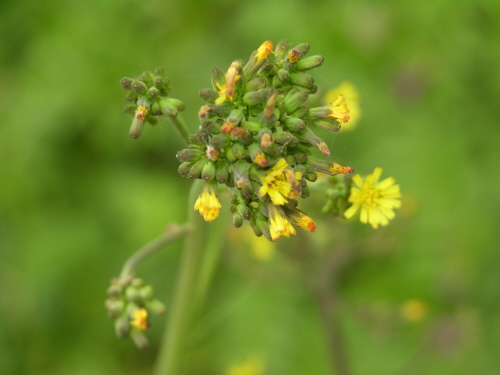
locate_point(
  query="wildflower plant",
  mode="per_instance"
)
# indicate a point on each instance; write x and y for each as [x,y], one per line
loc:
[255,142]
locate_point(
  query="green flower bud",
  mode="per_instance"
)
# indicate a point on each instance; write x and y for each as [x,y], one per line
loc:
[167,108]
[159,71]
[139,339]
[266,69]
[131,97]
[305,191]
[139,87]
[274,150]
[155,109]
[244,211]
[294,99]
[115,307]
[282,137]
[301,112]
[147,77]
[189,154]
[160,82]
[208,171]
[295,124]
[156,306]
[203,136]
[255,84]
[253,98]
[300,157]
[122,327]
[209,95]
[126,83]
[239,151]
[152,92]
[263,227]
[184,168]
[302,48]
[179,105]
[308,63]
[130,109]
[281,48]
[196,169]
[230,156]
[221,172]
[302,79]
[309,137]
[220,141]
[329,124]
[251,126]
[237,219]
[210,127]
[146,293]
[283,75]
[311,176]
[136,127]
[277,83]
[132,294]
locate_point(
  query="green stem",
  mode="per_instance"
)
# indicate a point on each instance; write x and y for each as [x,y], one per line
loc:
[172,234]
[173,343]
[180,126]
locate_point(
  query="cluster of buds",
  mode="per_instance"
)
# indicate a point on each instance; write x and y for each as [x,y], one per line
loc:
[149,95]
[255,137]
[129,304]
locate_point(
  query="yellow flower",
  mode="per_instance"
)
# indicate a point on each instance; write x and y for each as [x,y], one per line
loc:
[227,90]
[252,366]
[280,182]
[339,110]
[208,203]
[264,50]
[351,95]
[414,310]
[279,225]
[142,111]
[304,221]
[140,319]
[376,199]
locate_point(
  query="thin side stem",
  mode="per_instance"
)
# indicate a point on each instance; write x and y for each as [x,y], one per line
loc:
[180,126]
[172,234]
[181,314]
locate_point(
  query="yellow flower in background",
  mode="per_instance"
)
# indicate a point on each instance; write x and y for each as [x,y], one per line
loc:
[252,366]
[208,203]
[351,95]
[140,319]
[279,225]
[376,199]
[414,310]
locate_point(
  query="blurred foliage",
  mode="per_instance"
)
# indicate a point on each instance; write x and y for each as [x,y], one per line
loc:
[78,195]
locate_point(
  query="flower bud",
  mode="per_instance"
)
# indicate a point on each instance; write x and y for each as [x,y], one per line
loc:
[237,219]
[282,137]
[126,83]
[257,156]
[131,97]
[294,99]
[147,77]
[302,79]
[160,82]
[167,108]
[255,84]
[220,141]
[266,139]
[217,78]
[156,306]
[189,154]
[266,69]
[301,112]
[309,137]
[155,109]
[239,151]
[281,48]
[283,75]
[212,154]
[311,176]
[139,339]
[209,95]
[139,87]
[196,169]
[184,168]
[130,109]
[308,63]
[136,127]
[250,126]
[115,307]
[305,191]
[146,292]
[114,290]
[295,124]
[302,48]
[329,124]
[221,172]
[253,98]
[159,71]
[122,327]
[208,171]
[132,294]
[152,92]
[176,103]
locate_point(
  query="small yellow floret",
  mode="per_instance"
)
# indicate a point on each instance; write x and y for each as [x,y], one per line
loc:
[264,50]
[277,183]
[351,95]
[339,110]
[208,203]
[279,225]
[140,319]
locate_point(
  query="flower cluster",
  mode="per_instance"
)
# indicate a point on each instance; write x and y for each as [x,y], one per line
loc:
[129,305]
[149,95]
[255,138]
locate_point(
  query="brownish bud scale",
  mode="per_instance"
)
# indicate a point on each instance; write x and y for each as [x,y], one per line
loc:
[308,63]
[302,49]
[257,156]
[126,83]
[212,154]
[266,139]
[293,56]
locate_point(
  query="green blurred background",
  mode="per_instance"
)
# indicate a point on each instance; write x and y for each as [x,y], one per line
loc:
[78,195]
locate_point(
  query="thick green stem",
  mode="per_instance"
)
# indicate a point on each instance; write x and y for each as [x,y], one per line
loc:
[172,234]
[180,126]
[173,344]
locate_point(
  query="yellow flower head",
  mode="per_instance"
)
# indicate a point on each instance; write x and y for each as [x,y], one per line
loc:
[279,183]
[142,112]
[227,90]
[376,199]
[304,221]
[279,225]
[339,110]
[140,319]
[252,366]
[351,95]
[208,203]
[264,50]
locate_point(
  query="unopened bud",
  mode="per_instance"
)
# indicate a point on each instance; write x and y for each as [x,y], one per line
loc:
[122,327]
[281,49]
[146,293]
[126,83]
[139,87]
[208,171]
[253,98]
[308,63]
[196,169]
[209,95]
[221,172]
[295,124]
[302,79]
[139,339]
[294,99]
[156,306]
[255,84]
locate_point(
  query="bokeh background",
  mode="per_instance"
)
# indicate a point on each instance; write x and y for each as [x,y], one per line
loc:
[78,195]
